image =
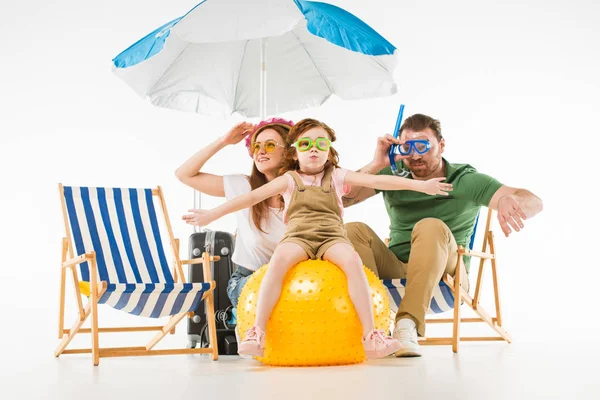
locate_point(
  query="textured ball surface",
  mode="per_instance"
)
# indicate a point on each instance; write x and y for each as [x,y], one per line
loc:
[314,322]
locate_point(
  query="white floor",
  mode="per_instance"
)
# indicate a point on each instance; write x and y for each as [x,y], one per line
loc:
[479,371]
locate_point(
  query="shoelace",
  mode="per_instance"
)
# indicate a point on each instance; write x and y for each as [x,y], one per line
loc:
[379,337]
[405,335]
[253,334]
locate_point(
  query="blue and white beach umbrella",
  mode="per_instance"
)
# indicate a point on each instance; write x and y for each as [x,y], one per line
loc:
[230,56]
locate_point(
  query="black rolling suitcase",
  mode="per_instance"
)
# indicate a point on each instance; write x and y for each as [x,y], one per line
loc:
[216,243]
[220,244]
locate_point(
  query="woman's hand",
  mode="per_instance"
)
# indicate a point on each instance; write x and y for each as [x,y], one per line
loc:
[199,217]
[238,133]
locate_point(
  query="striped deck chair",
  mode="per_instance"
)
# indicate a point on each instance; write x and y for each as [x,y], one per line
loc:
[113,236]
[444,295]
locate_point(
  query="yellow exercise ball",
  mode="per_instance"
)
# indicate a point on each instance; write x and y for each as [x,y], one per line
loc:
[314,322]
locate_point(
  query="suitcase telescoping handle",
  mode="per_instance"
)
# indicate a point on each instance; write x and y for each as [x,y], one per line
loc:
[197,207]
[207,246]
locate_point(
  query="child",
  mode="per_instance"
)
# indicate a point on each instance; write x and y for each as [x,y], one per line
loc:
[312,187]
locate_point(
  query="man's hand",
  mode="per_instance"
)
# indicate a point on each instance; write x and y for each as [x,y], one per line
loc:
[510,214]
[199,217]
[381,157]
[513,206]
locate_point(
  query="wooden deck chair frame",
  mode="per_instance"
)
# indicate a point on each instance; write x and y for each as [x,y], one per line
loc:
[488,252]
[69,263]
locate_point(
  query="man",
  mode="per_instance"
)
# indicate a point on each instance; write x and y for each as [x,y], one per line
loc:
[426,230]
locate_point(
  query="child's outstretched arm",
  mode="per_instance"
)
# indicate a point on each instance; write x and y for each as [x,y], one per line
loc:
[205,217]
[387,182]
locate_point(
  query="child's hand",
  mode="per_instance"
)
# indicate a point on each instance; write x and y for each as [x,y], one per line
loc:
[435,186]
[199,217]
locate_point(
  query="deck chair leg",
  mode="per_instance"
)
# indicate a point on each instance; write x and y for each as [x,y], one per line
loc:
[95,338]
[210,308]
[495,280]
[94,313]
[480,274]
[63,276]
[175,277]
[66,338]
[212,326]
[457,302]
[61,312]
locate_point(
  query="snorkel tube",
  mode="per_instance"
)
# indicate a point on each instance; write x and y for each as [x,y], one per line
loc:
[394,146]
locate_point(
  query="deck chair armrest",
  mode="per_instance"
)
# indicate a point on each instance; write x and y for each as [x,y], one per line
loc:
[78,260]
[478,254]
[198,260]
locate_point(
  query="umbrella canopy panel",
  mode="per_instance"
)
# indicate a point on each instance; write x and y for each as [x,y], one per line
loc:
[314,50]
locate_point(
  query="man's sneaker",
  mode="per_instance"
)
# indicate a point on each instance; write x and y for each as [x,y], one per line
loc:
[406,333]
[254,343]
[377,345]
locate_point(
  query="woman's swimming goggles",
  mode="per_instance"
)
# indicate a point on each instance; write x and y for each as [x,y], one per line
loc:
[269,145]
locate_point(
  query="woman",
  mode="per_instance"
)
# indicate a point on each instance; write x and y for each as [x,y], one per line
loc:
[261,227]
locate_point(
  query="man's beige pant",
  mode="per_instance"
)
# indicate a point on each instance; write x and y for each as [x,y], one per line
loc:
[433,253]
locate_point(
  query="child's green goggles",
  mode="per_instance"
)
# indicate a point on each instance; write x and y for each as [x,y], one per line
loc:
[306,143]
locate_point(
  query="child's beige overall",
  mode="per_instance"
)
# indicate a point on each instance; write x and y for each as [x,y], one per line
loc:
[314,219]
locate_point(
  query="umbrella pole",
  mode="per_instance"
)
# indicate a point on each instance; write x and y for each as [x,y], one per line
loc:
[263,79]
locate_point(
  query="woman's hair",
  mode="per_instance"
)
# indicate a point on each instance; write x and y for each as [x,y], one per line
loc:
[260,211]
[289,164]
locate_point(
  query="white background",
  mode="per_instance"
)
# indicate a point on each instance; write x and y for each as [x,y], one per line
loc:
[514,83]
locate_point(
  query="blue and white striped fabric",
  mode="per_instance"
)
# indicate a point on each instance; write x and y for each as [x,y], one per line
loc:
[121,226]
[442,300]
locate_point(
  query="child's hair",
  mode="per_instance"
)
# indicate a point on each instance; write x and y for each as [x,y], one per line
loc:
[289,164]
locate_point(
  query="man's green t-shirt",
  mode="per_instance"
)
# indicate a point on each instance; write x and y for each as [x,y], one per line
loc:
[471,191]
